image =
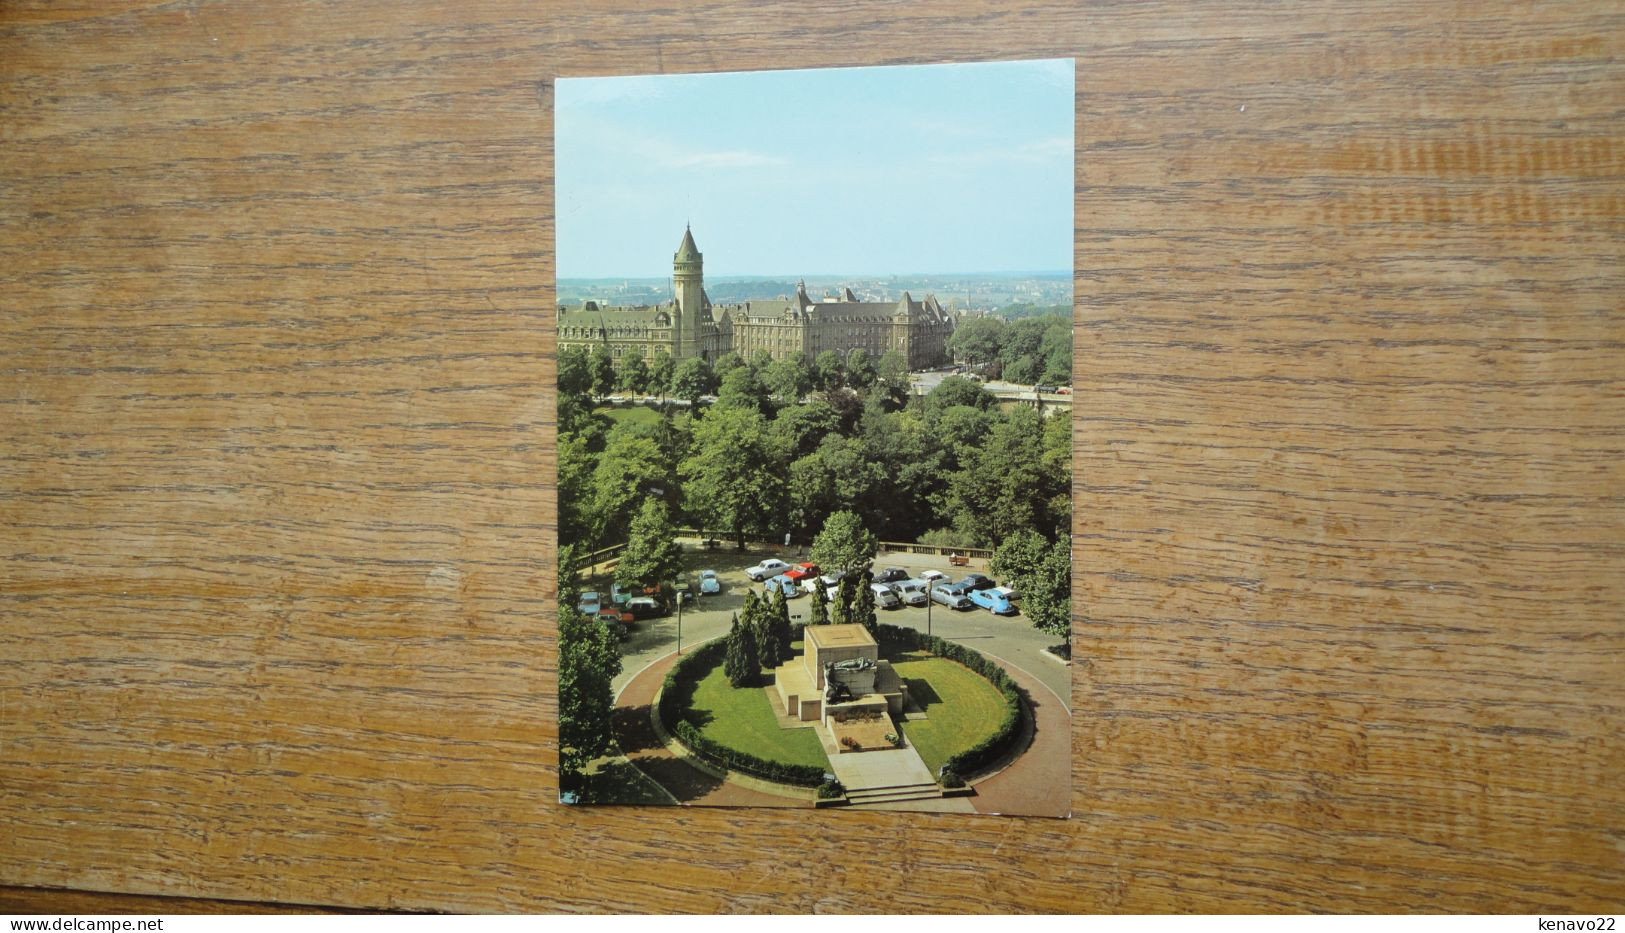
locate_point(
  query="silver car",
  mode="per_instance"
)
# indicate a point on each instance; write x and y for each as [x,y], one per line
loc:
[911,592]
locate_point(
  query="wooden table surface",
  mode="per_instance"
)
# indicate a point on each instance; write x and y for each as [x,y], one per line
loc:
[276,461]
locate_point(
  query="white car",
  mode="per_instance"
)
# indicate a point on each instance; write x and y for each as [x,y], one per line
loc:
[831,581]
[765,569]
[932,576]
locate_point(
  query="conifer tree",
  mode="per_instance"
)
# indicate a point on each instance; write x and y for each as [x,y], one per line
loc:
[730,655]
[819,615]
[781,627]
[865,611]
[742,652]
[843,613]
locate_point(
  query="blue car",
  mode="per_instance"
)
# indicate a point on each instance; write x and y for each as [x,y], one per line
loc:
[782,584]
[709,584]
[995,601]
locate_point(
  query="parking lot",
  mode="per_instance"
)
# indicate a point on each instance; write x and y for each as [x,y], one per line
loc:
[1009,637]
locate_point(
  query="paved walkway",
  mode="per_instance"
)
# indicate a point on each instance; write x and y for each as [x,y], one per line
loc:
[889,768]
[636,736]
[1039,781]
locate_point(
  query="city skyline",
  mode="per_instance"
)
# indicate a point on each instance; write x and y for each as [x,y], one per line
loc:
[913,170]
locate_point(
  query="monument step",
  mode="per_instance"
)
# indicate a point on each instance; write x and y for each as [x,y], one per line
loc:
[893,794]
[893,798]
[890,788]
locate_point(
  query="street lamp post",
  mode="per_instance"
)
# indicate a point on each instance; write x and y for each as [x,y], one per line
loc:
[928,602]
[679,623]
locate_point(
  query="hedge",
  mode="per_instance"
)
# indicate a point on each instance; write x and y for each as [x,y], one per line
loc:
[735,760]
[676,695]
[994,747]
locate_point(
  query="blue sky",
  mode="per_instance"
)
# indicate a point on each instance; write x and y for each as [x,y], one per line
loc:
[903,170]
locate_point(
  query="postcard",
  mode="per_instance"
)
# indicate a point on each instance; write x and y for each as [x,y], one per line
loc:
[815,344]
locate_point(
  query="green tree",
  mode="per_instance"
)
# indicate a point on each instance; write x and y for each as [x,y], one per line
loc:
[652,553]
[842,613]
[741,388]
[977,340]
[830,371]
[575,488]
[843,544]
[892,381]
[1041,572]
[790,378]
[631,466]
[864,609]
[801,428]
[661,369]
[733,477]
[603,371]
[575,371]
[694,378]
[819,613]
[1057,352]
[736,661]
[634,375]
[839,473]
[957,390]
[1003,486]
[860,370]
[727,363]
[770,649]
[589,660]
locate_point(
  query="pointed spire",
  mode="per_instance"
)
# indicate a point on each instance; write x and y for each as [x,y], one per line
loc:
[687,251]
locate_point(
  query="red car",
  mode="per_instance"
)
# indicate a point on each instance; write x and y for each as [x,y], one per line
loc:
[801,572]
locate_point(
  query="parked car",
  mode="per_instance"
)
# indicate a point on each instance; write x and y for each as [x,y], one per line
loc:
[782,584]
[619,620]
[767,568]
[977,581]
[911,592]
[933,576]
[710,585]
[802,571]
[891,575]
[644,607]
[619,594]
[683,587]
[830,581]
[884,597]
[950,595]
[994,601]
[589,604]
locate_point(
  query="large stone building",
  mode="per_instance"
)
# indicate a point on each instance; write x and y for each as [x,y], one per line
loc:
[689,325]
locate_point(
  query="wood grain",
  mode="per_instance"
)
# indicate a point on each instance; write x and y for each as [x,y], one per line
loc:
[276,469]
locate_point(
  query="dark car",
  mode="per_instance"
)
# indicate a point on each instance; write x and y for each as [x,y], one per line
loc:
[619,620]
[891,575]
[976,581]
[644,607]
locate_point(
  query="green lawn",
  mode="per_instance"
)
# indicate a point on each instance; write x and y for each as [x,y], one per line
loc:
[635,414]
[741,718]
[963,708]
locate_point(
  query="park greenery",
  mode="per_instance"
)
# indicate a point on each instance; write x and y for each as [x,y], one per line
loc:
[834,450]
[1034,346]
